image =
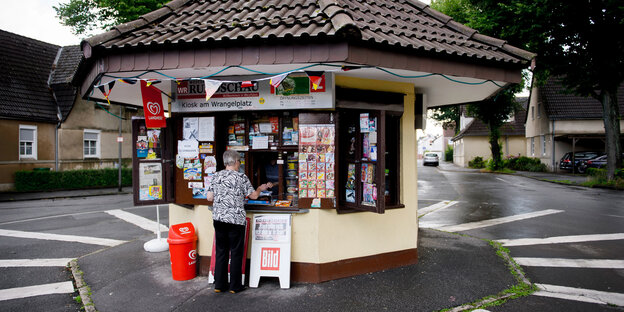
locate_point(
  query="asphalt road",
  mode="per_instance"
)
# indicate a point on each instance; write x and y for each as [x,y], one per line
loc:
[576,254]
[38,237]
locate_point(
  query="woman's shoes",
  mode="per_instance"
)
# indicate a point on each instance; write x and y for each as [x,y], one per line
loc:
[238,290]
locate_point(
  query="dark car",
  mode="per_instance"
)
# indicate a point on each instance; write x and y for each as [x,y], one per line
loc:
[596,162]
[566,161]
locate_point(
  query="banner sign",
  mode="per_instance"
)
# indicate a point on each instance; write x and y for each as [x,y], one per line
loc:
[295,91]
[152,106]
[270,248]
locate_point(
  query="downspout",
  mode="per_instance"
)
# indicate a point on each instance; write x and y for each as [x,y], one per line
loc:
[59,116]
[552,156]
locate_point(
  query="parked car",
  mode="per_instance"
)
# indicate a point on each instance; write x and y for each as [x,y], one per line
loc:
[431,159]
[566,161]
[596,162]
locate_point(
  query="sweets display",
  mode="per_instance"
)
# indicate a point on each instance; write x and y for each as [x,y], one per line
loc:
[317,161]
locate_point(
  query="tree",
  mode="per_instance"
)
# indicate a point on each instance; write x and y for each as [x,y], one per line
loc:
[87,15]
[576,40]
[449,116]
[494,112]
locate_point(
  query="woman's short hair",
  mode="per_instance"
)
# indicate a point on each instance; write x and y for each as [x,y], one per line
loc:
[230,157]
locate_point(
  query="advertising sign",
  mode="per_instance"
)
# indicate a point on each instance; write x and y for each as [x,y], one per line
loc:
[270,248]
[294,92]
[153,106]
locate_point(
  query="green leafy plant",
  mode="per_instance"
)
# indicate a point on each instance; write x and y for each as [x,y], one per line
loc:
[448,153]
[477,163]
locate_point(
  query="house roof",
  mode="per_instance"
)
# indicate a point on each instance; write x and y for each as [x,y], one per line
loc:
[27,79]
[516,127]
[407,24]
[560,105]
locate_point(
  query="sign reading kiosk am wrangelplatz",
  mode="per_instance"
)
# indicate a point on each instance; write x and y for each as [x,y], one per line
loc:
[295,92]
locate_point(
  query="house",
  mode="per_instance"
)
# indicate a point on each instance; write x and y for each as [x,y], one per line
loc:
[473,139]
[558,122]
[361,74]
[43,123]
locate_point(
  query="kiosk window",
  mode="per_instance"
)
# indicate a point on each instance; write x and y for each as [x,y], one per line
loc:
[369,162]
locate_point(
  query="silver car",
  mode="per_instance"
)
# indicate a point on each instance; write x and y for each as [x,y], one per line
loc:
[431,159]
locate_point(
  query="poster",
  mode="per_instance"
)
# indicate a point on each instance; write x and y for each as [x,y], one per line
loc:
[141,146]
[271,228]
[260,142]
[316,160]
[206,128]
[210,164]
[190,128]
[364,123]
[150,181]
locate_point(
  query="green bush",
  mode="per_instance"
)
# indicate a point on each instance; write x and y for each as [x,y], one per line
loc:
[448,154]
[524,163]
[27,181]
[477,163]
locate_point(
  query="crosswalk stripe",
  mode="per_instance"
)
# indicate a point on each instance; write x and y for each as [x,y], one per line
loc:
[497,221]
[61,237]
[37,290]
[560,239]
[137,220]
[580,294]
[8,263]
[436,207]
[570,263]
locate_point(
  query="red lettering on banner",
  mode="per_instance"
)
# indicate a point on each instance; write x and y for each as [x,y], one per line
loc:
[270,259]
[152,106]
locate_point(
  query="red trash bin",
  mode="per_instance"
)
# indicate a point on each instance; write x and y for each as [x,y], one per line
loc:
[183,251]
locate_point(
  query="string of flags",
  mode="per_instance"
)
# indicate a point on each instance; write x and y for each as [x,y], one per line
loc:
[212,85]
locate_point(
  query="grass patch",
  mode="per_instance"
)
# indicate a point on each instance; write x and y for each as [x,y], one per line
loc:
[523,287]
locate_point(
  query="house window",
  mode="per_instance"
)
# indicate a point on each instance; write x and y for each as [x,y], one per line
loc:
[532,112]
[533,146]
[539,110]
[27,142]
[368,159]
[543,145]
[91,143]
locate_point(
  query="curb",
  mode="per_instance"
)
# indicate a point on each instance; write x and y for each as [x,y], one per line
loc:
[83,290]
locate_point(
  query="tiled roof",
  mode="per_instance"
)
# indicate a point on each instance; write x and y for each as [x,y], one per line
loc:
[25,66]
[407,24]
[28,77]
[562,106]
[516,127]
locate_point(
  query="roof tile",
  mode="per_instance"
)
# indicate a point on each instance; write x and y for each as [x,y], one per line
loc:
[409,24]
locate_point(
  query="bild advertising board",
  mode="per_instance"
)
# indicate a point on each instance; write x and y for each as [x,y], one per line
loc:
[295,92]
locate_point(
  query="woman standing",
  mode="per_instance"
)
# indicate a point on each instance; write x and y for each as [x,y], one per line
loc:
[227,192]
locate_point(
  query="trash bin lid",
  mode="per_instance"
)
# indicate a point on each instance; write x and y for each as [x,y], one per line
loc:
[182,233]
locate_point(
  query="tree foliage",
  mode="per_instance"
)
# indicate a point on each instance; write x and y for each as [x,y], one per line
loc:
[579,41]
[493,113]
[84,16]
[449,116]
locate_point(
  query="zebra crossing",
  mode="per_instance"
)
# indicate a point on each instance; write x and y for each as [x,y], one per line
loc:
[38,264]
[426,220]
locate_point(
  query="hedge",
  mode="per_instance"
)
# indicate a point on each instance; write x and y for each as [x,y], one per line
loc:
[27,181]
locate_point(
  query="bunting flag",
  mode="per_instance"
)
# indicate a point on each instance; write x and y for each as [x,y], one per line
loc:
[348,68]
[211,87]
[247,84]
[316,77]
[151,81]
[277,80]
[153,107]
[128,80]
[102,88]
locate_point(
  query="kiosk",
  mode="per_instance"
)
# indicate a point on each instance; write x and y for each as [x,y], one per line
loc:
[313,97]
